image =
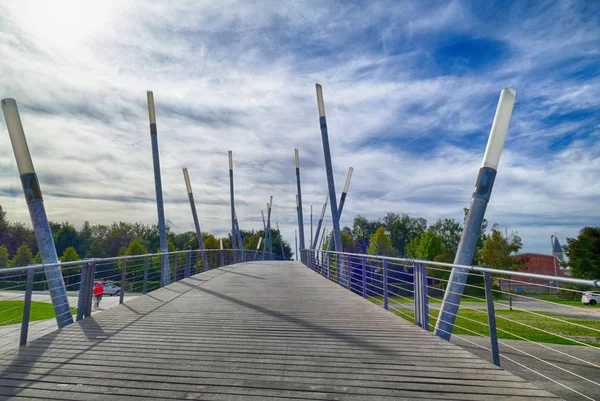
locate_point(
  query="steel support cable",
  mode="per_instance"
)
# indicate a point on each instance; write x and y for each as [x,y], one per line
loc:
[519,364]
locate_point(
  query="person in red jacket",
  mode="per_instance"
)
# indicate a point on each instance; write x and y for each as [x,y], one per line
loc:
[98,291]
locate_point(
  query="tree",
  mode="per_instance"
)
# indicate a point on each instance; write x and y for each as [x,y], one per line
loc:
[136,267]
[71,274]
[211,242]
[363,230]
[402,229]
[499,250]
[380,244]
[69,255]
[66,236]
[4,261]
[584,253]
[347,243]
[23,257]
[425,247]
[449,230]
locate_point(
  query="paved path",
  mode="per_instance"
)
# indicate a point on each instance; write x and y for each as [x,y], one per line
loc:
[253,331]
[10,333]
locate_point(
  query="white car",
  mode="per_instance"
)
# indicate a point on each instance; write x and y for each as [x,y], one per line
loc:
[590,298]
[111,289]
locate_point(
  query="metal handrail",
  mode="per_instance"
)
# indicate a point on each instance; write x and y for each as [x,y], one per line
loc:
[479,269]
[112,259]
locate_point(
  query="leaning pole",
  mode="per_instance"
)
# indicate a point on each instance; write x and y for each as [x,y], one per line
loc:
[343,199]
[162,232]
[335,221]
[188,185]
[233,234]
[269,238]
[300,214]
[37,213]
[316,239]
[479,201]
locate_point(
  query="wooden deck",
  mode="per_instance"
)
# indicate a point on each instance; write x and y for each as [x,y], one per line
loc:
[253,331]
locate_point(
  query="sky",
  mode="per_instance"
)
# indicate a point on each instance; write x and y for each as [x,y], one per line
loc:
[410,92]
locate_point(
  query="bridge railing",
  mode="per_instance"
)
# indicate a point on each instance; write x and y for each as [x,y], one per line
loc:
[26,305]
[536,322]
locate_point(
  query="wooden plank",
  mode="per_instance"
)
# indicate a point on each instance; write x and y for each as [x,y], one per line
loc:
[262,330]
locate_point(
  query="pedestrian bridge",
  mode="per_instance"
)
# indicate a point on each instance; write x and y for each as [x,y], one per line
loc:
[251,331]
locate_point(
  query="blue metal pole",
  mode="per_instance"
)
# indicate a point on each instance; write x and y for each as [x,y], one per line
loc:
[314,244]
[385,284]
[269,238]
[489,298]
[233,234]
[311,225]
[481,196]
[280,241]
[37,213]
[265,233]
[300,214]
[343,199]
[335,221]
[162,232]
[239,237]
[296,242]
[195,216]
[257,247]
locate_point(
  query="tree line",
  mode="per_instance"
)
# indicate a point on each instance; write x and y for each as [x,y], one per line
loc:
[18,246]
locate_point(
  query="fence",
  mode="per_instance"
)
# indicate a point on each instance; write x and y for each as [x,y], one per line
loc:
[26,308]
[554,338]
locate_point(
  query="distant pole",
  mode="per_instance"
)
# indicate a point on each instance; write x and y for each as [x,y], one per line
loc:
[257,247]
[162,231]
[296,242]
[188,185]
[37,213]
[280,241]
[343,199]
[239,236]
[269,238]
[481,196]
[233,235]
[323,236]
[222,252]
[335,221]
[314,244]
[264,232]
[311,225]
[300,214]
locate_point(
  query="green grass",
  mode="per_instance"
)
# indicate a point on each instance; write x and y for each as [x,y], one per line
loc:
[469,321]
[407,300]
[11,312]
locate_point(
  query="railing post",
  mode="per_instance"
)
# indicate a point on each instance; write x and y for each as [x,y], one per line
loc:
[364,277]
[385,284]
[489,299]
[26,307]
[175,260]
[89,289]
[186,268]
[145,288]
[83,281]
[123,273]
[420,296]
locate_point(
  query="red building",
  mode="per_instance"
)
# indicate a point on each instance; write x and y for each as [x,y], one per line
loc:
[548,265]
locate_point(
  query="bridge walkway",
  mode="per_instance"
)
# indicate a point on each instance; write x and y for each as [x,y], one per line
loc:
[251,331]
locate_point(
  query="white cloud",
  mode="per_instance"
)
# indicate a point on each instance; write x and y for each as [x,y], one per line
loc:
[241,77]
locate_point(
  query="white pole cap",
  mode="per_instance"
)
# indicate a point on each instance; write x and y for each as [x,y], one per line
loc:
[320,102]
[187,180]
[297,158]
[348,178]
[230,160]
[499,128]
[151,111]
[17,136]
